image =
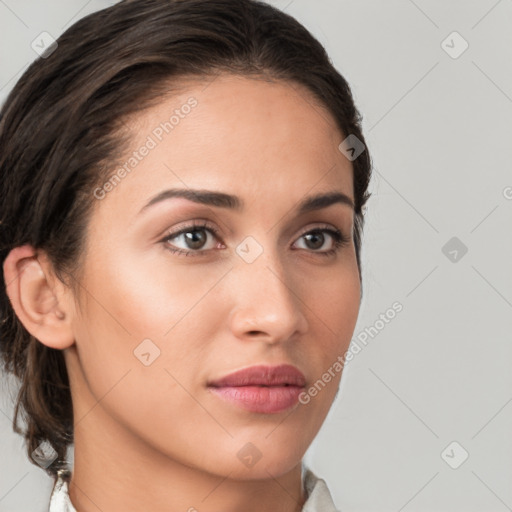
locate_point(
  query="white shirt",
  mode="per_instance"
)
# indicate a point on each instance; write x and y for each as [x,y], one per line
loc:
[318,497]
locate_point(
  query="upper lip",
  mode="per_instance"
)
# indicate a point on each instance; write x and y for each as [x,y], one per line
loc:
[262,375]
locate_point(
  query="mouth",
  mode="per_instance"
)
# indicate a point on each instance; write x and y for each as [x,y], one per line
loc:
[261,389]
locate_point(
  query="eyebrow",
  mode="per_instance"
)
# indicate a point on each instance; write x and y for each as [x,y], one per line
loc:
[223,200]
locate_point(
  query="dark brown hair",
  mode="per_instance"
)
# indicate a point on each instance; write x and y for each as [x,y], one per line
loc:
[60,135]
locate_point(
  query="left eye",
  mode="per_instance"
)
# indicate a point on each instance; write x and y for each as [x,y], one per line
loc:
[317,238]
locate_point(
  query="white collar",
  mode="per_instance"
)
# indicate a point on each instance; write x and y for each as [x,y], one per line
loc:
[59,500]
[318,496]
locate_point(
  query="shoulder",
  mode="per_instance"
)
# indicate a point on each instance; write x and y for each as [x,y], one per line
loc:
[318,497]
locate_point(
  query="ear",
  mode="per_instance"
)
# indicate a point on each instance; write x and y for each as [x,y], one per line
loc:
[40,300]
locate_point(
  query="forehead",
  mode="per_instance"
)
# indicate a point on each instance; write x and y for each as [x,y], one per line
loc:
[246,136]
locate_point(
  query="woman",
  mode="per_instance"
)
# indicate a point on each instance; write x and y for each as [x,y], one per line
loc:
[180,237]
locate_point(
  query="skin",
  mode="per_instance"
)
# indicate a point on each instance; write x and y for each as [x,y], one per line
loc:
[154,437]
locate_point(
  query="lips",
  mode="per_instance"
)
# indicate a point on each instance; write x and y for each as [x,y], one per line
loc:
[261,389]
[283,375]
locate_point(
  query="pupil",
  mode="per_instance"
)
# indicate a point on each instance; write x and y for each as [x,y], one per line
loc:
[319,238]
[195,239]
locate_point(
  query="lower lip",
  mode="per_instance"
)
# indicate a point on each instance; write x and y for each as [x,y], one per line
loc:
[262,399]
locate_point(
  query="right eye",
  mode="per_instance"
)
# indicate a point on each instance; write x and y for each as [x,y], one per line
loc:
[193,237]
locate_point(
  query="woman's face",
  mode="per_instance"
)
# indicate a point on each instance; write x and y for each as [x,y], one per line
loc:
[248,287]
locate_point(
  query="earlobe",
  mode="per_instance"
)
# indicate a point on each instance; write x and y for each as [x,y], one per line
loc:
[37,297]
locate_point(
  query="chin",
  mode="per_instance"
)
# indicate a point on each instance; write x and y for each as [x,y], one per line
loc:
[275,468]
[262,459]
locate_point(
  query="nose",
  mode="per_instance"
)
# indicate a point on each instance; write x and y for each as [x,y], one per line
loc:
[266,301]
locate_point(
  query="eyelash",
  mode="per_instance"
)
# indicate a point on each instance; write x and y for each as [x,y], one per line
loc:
[340,239]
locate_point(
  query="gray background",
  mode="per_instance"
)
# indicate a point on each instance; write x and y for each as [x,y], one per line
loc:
[439,131]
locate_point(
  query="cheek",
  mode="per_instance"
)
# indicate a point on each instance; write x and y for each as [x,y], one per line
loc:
[127,305]
[148,296]
[131,300]
[333,306]
[335,302]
